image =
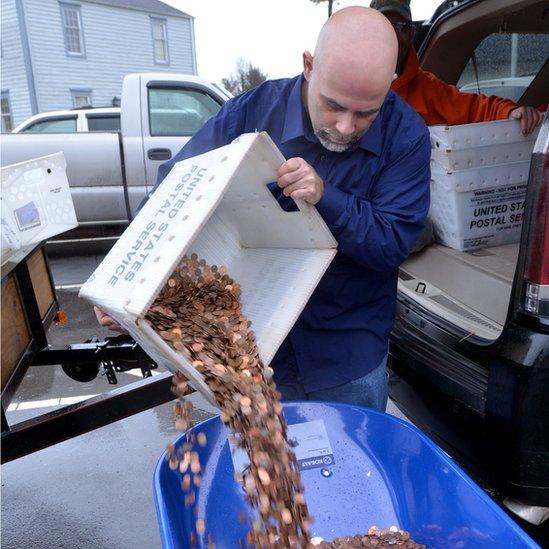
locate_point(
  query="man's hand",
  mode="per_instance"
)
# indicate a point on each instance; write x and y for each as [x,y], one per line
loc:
[299,180]
[529,118]
[108,322]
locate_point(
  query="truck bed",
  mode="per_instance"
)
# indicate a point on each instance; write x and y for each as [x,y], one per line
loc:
[94,170]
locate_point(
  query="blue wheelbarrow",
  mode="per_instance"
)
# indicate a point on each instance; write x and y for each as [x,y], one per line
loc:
[360,468]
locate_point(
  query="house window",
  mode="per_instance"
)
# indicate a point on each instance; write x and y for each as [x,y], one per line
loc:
[7,120]
[81,98]
[72,29]
[160,40]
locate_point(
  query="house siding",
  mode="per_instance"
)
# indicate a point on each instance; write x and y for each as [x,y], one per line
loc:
[12,72]
[117,41]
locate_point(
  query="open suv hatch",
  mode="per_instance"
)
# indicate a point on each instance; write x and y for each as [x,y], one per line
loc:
[469,354]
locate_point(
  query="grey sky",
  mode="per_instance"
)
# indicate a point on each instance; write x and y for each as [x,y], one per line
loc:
[272,34]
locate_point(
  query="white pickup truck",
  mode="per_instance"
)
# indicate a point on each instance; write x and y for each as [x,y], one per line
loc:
[111,172]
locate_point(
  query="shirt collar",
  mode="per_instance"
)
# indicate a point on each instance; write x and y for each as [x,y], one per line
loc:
[371,140]
[293,122]
[294,125]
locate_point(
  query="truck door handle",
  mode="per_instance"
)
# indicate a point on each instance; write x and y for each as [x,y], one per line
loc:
[159,154]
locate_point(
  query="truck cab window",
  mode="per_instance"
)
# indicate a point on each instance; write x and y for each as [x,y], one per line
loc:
[505,64]
[107,123]
[179,111]
[53,125]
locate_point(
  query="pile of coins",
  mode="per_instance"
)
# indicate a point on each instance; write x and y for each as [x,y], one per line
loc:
[376,537]
[198,313]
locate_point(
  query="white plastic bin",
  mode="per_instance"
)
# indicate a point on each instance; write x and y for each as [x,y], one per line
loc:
[481,157]
[36,203]
[480,134]
[218,206]
[479,176]
[477,218]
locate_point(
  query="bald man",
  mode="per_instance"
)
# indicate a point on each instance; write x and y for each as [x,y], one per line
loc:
[359,154]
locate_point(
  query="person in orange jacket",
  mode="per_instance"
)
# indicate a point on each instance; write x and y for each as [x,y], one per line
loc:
[435,100]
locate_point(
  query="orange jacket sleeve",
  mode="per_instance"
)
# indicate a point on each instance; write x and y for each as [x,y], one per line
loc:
[445,104]
[441,103]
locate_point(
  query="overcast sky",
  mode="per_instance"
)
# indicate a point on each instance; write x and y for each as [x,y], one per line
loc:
[271,34]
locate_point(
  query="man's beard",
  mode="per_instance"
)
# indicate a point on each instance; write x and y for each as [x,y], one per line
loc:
[327,141]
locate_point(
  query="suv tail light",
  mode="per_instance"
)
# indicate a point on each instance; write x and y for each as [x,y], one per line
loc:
[535,294]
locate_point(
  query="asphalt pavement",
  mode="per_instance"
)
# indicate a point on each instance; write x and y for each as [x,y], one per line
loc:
[94,490]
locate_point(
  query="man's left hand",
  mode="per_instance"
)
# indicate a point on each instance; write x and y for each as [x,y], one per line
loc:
[299,180]
[529,118]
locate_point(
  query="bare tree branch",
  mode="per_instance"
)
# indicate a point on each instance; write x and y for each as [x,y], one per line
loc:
[247,77]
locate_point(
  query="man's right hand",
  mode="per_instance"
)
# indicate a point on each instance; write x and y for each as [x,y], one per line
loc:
[108,322]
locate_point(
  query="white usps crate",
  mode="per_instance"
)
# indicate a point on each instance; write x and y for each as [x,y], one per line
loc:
[36,203]
[479,145]
[467,217]
[480,134]
[218,206]
[479,175]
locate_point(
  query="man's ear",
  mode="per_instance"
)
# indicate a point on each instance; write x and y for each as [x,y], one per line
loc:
[395,76]
[307,65]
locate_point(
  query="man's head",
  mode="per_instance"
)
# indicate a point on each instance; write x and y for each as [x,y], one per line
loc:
[399,14]
[349,75]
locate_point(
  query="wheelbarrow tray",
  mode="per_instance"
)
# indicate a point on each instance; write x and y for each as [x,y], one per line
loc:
[382,471]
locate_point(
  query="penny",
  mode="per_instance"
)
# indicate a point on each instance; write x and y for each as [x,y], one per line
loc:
[201,439]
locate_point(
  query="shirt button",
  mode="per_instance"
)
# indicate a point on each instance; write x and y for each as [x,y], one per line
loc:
[323,158]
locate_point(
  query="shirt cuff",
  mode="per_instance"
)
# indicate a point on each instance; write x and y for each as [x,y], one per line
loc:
[333,207]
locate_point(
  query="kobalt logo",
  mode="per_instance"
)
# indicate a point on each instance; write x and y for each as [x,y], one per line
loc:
[326,460]
[317,461]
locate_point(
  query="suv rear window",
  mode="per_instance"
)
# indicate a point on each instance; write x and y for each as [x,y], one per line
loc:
[103,123]
[505,64]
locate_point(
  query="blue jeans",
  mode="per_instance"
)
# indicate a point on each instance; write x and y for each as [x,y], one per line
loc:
[370,390]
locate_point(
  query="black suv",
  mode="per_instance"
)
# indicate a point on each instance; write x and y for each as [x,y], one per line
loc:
[469,353]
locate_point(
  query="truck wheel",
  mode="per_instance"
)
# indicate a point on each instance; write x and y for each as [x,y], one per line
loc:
[82,372]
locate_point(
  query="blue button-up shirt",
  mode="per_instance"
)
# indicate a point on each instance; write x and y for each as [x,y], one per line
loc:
[375,202]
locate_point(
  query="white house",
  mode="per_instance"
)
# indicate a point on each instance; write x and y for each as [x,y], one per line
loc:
[60,54]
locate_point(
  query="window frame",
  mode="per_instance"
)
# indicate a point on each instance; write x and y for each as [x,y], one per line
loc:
[164,23]
[512,86]
[77,8]
[59,118]
[152,86]
[5,95]
[91,116]
[83,92]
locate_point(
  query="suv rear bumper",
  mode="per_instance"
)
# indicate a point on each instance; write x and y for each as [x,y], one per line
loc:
[488,406]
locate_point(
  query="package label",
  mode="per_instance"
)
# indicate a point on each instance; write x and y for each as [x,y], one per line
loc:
[498,207]
[482,218]
[310,443]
